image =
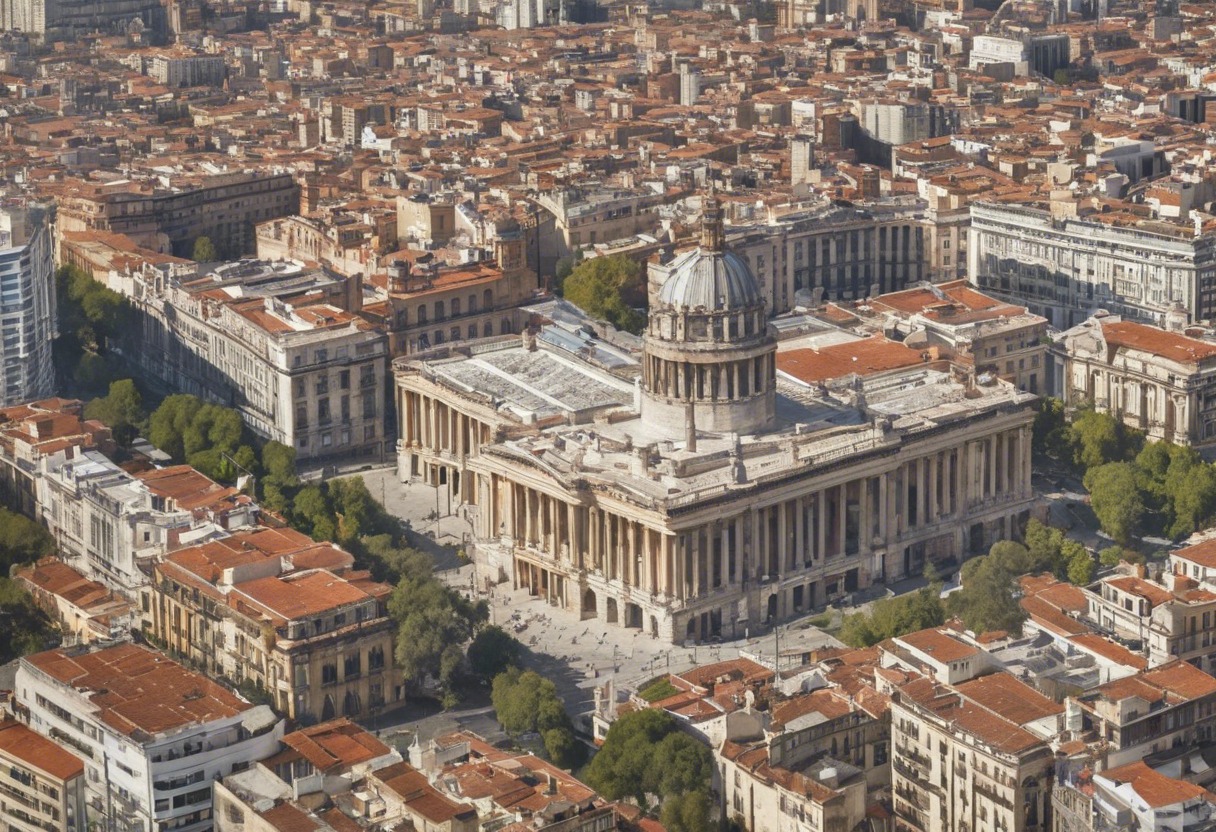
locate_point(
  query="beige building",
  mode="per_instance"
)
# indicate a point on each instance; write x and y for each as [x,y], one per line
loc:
[988,334]
[1157,381]
[721,485]
[1160,709]
[429,305]
[85,610]
[224,208]
[971,756]
[276,610]
[41,784]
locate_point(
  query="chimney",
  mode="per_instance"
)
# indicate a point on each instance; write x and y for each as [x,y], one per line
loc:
[552,789]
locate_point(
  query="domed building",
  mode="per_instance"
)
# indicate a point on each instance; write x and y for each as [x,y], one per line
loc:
[708,354]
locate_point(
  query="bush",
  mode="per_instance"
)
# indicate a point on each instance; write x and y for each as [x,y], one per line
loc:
[893,617]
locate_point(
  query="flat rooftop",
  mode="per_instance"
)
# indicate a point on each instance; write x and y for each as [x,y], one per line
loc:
[541,383]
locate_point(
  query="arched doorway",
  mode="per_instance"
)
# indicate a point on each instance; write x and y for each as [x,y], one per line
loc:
[772,607]
[654,626]
[612,611]
[590,605]
[327,711]
[351,706]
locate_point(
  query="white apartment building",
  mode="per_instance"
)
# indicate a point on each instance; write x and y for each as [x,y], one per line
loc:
[153,736]
[1065,267]
[27,305]
[187,69]
[107,522]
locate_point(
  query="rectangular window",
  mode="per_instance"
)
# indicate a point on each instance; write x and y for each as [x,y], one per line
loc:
[344,379]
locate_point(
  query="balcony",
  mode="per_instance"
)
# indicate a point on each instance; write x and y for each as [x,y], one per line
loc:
[991,792]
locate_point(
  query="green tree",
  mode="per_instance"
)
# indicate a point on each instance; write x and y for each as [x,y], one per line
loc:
[24,627]
[893,617]
[312,515]
[390,562]
[1097,439]
[1044,544]
[687,812]
[645,752]
[493,651]
[1111,556]
[434,621]
[609,288]
[1081,568]
[121,410]
[986,602]
[1051,434]
[564,748]
[1116,499]
[205,251]
[22,541]
[279,463]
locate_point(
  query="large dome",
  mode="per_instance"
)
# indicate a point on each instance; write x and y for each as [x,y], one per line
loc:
[710,280]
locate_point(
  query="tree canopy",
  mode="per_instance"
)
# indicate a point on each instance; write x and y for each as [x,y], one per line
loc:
[434,622]
[646,753]
[527,702]
[22,540]
[492,652]
[893,617]
[610,288]
[92,320]
[204,251]
[121,409]
[24,627]
[986,602]
[1116,499]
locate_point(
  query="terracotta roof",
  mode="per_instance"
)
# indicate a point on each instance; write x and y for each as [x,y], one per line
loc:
[287,818]
[1202,553]
[337,744]
[1169,345]
[1009,697]
[938,646]
[1108,649]
[20,743]
[1155,788]
[1132,585]
[137,689]
[864,357]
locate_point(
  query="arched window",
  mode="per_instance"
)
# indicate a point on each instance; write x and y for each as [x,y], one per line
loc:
[472,330]
[506,327]
[439,336]
[487,299]
[455,307]
[489,329]
[472,303]
[439,310]
[422,314]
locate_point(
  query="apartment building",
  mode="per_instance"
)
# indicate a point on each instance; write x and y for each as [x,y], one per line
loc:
[183,68]
[1157,381]
[1132,796]
[222,207]
[990,335]
[834,253]
[109,524]
[429,305]
[65,20]
[36,430]
[587,215]
[28,321]
[1064,267]
[252,335]
[42,786]
[152,735]
[825,794]
[971,755]
[274,609]
[302,779]
[86,611]
[1156,711]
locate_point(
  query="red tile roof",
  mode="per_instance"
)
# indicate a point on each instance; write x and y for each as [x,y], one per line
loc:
[864,357]
[36,751]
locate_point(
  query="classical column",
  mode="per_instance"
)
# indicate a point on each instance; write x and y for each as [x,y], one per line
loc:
[762,543]
[821,524]
[947,487]
[887,506]
[593,535]
[865,529]
[842,505]
[782,537]
[934,509]
[990,449]
[799,553]
[680,568]
[724,556]
[922,491]
[1024,451]
[737,548]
